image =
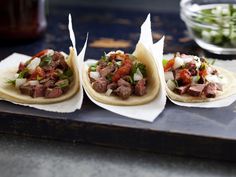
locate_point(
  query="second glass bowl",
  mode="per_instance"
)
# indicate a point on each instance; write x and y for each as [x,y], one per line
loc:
[211,23]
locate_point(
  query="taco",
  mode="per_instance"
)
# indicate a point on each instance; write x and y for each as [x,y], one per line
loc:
[120,78]
[193,79]
[48,77]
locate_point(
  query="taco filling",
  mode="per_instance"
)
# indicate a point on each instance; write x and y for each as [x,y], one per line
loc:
[119,74]
[46,75]
[193,76]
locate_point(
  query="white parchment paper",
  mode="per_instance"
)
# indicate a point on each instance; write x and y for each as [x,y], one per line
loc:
[66,106]
[147,112]
[226,64]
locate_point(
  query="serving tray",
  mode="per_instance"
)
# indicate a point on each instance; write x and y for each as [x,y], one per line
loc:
[209,133]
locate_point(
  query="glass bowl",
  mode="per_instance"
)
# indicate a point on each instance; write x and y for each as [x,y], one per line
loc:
[211,23]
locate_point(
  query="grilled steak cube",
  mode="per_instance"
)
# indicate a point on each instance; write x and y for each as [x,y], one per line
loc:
[26,89]
[196,90]
[100,85]
[182,89]
[107,70]
[38,91]
[210,90]
[123,92]
[140,88]
[53,92]
[122,82]
[112,86]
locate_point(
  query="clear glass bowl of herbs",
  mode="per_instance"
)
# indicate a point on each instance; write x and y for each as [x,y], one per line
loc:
[211,23]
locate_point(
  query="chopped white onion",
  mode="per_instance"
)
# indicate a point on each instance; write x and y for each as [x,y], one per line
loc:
[110,53]
[50,52]
[20,82]
[119,52]
[118,63]
[94,74]
[108,92]
[33,82]
[195,79]
[33,64]
[178,62]
[209,70]
[212,78]
[197,61]
[187,59]
[171,85]
[138,75]
[169,75]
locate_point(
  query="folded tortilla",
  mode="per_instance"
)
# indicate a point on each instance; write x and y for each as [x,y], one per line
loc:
[153,82]
[228,89]
[10,93]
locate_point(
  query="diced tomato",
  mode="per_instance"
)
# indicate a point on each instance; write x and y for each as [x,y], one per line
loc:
[169,65]
[39,72]
[41,53]
[203,73]
[123,70]
[185,76]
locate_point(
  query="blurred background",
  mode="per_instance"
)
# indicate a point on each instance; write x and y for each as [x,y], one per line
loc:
[144,5]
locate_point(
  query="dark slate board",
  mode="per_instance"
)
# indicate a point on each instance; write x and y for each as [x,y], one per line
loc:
[209,133]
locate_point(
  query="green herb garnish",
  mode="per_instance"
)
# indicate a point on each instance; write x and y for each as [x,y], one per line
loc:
[68,72]
[46,60]
[62,83]
[109,77]
[23,73]
[12,82]
[141,67]
[164,62]
[92,68]
[104,57]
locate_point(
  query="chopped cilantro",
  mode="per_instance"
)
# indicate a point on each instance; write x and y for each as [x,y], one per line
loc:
[141,67]
[45,60]
[92,68]
[22,73]
[109,77]
[68,72]
[12,82]
[62,83]
[104,57]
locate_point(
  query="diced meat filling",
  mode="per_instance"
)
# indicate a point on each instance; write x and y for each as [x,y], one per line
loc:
[112,86]
[107,70]
[53,92]
[210,90]
[140,87]
[182,90]
[196,90]
[190,76]
[52,77]
[100,85]
[123,92]
[116,75]
[122,82]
